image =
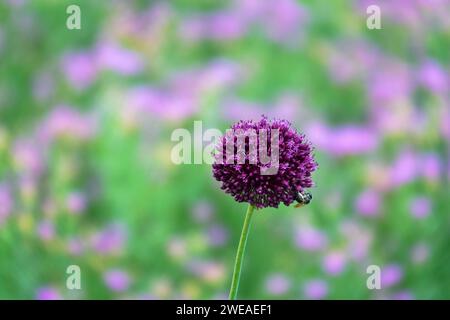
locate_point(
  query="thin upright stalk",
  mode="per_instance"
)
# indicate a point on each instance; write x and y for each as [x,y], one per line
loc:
[240,253]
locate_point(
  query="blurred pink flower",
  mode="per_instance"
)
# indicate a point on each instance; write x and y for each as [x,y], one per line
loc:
[277,284]
[65,121]
[397,119]
[112,57]
[202,211]
[403,295]
[192,29]
[217,235]
[110,240]
[334,263]
[250,10]
[431,166]
[28,157]
[76,202]
[220,25]
[389,83]
[286,107]
[433,77]
[80,69]
[368,203]
[225,25]
[310,239]
[75,246]
[281,20]
[235,109]
[391,275]
[420,207]
[46,230]
[48,293]
[344,140]
[284,20]
[6,202]
[349,140]
[219,74]
[315,289]
[167,105]
[117,280]
[351,60]
[445,121]
[358,238]
[404,169]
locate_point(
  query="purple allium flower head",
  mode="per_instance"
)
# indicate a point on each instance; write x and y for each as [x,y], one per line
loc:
[250,178]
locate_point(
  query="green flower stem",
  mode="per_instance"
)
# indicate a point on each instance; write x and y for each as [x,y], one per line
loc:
[240,253]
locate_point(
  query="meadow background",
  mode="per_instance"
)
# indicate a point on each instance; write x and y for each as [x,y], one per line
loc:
[86,176]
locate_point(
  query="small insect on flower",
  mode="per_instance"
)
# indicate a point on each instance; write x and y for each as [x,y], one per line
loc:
[303,198]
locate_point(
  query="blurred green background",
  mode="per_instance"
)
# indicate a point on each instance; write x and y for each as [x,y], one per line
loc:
[86,176]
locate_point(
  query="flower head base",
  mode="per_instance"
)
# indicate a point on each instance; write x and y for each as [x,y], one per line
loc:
[264,163]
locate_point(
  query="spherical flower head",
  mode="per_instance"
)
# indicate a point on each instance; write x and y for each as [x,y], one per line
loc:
[270,162]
